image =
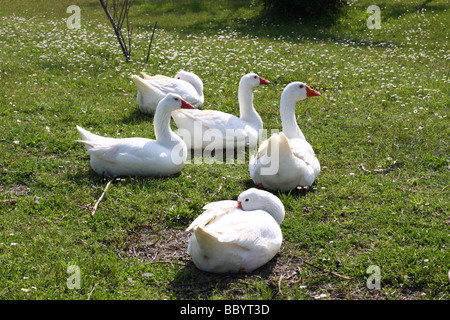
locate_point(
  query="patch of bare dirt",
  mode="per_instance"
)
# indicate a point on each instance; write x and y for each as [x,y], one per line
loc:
[16,190]
[289,268]
[162,246]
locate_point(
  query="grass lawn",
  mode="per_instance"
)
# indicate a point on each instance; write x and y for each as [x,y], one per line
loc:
[385,99]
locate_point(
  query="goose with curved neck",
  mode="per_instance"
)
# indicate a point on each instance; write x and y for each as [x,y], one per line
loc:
[237,236]
[161,124]
[286,160]
[139,156]
[215,129]
[196,82]
[151,89]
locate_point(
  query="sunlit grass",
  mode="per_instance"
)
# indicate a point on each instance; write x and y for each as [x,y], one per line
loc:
[384,99]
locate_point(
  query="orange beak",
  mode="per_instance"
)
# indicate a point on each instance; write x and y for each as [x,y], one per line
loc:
[186,105]
[263,81]
[311,92]
[239,205]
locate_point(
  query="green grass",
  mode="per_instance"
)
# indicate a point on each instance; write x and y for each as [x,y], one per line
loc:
[384,99]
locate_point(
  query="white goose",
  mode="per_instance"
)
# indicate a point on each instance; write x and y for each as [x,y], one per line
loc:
[237,236]
[139,156]
[286,160]
[152,89]
[212,128]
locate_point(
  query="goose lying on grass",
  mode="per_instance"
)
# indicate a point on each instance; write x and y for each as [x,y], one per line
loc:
[237,236]
[223,128]
[139,156]
[151,89]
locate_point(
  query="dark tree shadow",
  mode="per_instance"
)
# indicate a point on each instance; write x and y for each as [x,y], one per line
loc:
[137,117]
[394,10]
[265,22]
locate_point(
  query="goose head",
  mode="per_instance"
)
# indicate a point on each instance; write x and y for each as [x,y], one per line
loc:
[172,102]
[255,199]
[161,121]
[186,75]
[293,92]
[192,78]
[299,91]
[252,80]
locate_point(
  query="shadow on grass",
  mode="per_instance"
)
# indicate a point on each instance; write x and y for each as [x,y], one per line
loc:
[394,10]
[202,17]
[207,17]
[297,192]
[88,175]
[192,283]
[137,117]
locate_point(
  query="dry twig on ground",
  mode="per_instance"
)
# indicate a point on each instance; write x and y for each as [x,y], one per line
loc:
[384,170]
[94,209]
[329,271]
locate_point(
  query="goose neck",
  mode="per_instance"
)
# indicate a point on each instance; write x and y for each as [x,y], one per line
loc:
[198,86]
[276,210]
[288,119]
[161,124]
[246,109]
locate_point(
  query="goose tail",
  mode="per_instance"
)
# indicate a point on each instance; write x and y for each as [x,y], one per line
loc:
[143,86]
[279,145]
[91,140]
[87,144]
[284,145]
[86,135]
[205,238]
[146,76]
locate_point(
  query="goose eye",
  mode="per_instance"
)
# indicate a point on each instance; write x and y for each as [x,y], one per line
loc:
[254,77]
[178,78]
[176,99]
[301,86]
[246,200]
